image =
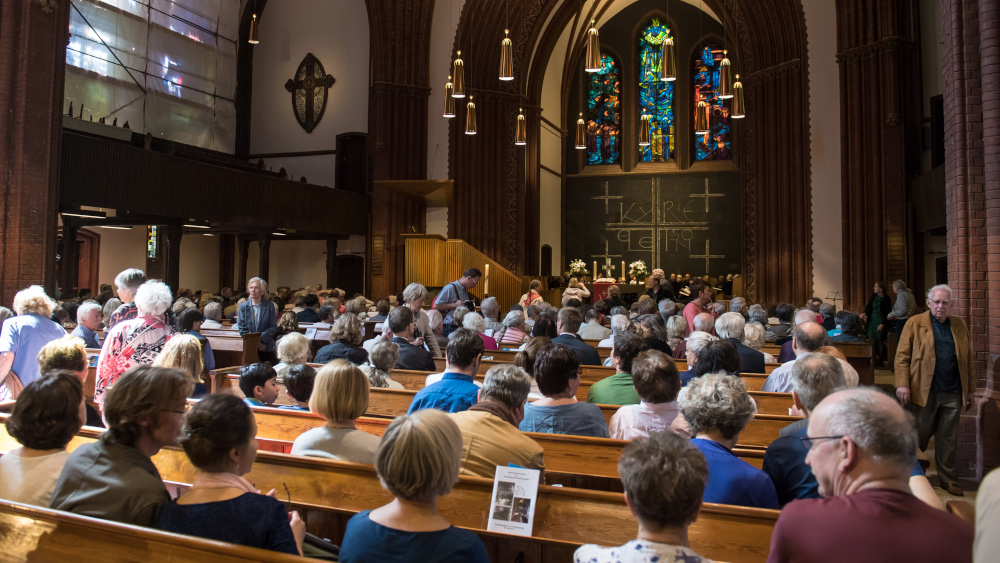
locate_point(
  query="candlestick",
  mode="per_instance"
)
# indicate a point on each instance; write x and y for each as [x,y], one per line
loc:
[623,270]
[486,282]
[595,269]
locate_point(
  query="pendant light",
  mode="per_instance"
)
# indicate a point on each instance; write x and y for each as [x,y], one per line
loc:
[593,62]
[668,60]
[449,99]
[470,118]
[701,118]
[581,133]
[506,58]
[254,39]
[725,77]
[644,130]
[458,72]
[738,109]
[521,132]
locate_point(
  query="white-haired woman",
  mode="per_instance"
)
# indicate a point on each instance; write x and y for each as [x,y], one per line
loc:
[475,321]
[23,337]
[293,349]
[213,316]
[753,337]
[423,335]
[513,329]
[134,342]
[696,342]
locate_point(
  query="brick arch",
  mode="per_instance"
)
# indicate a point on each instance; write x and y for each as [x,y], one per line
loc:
[769,38]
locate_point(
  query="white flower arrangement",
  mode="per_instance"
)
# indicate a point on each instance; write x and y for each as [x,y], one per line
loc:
[578,268]
[637,268]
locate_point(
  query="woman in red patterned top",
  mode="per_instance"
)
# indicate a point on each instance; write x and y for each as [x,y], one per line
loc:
[138,341]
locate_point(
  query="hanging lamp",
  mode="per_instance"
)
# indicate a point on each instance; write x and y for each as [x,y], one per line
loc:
[581,133]
[458,72]
[668,59]
[644,130]
[738,109]
[506,57]
[593,62]
[701,118]
[725,77]
[521,132]
[449,99]
[470,118]
[254,39]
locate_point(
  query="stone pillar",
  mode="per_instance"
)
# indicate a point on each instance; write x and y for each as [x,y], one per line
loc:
[331,262]
[32,71]
[172,257]
[243,245]
[265,257]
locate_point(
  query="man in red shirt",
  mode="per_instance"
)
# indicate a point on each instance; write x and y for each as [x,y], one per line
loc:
[862,447]
[701,296]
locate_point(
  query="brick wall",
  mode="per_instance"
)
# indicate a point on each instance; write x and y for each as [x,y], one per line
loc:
[32,41]
[971,70]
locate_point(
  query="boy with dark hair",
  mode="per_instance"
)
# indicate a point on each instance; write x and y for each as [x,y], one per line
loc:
[259,383]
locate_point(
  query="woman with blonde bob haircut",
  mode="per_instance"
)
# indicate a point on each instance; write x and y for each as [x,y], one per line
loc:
[340,395]
[183,353]
[418,461]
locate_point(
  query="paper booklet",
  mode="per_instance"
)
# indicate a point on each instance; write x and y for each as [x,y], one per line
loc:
[512,509]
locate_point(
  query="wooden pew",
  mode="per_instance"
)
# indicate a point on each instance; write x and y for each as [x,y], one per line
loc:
[233,349]
[861,357]
[328,492]
[41,534]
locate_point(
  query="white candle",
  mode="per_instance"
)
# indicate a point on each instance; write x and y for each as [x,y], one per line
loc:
[623,270]
[595,269]
[486,282]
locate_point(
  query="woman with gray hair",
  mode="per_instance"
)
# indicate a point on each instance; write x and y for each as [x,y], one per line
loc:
[475,321]
[414,297]
[753,337]
[718,407]
[381,360]
[513,330]
[696,342]
[619,323]
[128,283]
[677,328]
[293,349]
[134,342]
[22,337]
[109,308]
[213,316]
[257,314]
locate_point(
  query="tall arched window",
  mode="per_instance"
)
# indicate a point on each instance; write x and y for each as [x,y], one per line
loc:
[604,114]
[714,145]
[656,98]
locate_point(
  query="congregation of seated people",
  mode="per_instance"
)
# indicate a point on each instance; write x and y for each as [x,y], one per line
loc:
[845,475]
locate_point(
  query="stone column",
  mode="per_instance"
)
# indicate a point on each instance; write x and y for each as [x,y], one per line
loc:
[172,257]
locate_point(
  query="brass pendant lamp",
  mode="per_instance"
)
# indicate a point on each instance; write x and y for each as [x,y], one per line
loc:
[506,58]
[470,118]
[449,99]
[581,133]
[668,60]
[458,73]
[701,118]
[738,110]
[593,60]
[644,130]
[725,77]
[521,132]
[254,38]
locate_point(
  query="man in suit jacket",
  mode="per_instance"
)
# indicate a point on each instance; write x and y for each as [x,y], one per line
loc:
[936,379]
[401,322]
[257,314]
[309,313]
[730,327]
[567,324]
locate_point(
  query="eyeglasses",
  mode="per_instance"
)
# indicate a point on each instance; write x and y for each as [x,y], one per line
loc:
[810,442]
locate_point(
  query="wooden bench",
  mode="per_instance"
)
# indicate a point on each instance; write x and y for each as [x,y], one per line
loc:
[327,493]
[861,357]
[233,349]
[41,534]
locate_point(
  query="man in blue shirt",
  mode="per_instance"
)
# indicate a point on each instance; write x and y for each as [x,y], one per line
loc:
[455,392]
[453,295]
[88,321]
[813,378]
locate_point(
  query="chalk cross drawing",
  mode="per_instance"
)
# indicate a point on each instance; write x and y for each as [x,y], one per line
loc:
[606,197]
[707,195]
[708,255]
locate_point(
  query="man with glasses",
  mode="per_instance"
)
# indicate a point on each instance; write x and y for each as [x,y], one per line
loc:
[454,295]
[862,446]
[936,379]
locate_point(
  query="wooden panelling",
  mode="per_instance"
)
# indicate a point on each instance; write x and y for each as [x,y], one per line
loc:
[434,262]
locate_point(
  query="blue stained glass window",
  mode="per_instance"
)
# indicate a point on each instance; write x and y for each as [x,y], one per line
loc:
[656,98]
[716,144]
[604,114]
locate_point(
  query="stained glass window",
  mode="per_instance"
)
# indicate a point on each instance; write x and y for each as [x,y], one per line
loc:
[604,114]
[656,98]
[714,145]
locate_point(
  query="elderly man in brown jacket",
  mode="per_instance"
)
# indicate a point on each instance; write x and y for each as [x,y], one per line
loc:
[936,379]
